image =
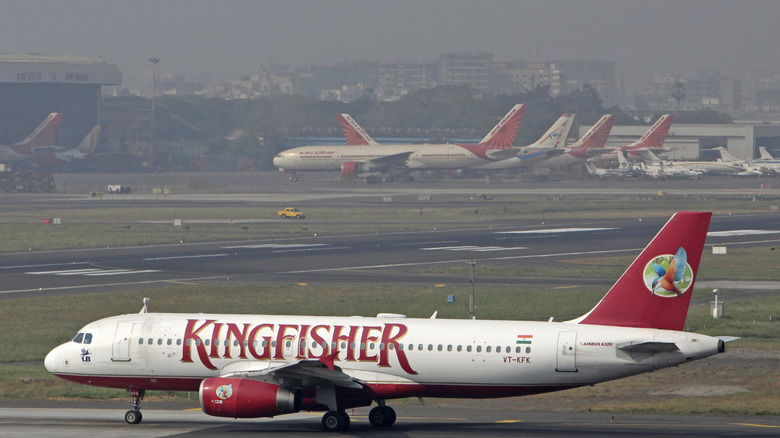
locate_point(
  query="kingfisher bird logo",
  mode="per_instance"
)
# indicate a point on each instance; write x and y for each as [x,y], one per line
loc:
[224,392]
[669,275]
[85,355]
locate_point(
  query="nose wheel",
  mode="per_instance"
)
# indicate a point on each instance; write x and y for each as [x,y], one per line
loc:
[134,416]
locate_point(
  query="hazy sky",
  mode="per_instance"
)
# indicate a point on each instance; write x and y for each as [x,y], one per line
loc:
[225,39]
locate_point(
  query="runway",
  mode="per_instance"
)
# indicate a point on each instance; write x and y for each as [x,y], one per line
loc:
[414,420]
[361,259]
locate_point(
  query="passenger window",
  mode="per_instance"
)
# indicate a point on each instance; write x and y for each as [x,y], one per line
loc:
[79,338]
[460,348]
[159,341]
[420,347]
[170,341]
[527,349]
[479,349]
[150,341]
[439,347]
[235,343]
[468,348]
[487,349]
[381,346]
[449,348]
[430,347]
[208,340]
[178,342]
[141,341]
[518,349]
[508,349]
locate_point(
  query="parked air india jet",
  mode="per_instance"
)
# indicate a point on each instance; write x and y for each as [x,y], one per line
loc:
[266,365]
[549,144]
[590,145]
[38,142]
[352,161]
[653,139]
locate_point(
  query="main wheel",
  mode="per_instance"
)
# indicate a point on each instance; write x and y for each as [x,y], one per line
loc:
[298,216]
[381,416]
[335,421]
[133,417]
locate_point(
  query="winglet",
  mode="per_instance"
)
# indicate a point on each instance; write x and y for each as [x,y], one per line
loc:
[329,360]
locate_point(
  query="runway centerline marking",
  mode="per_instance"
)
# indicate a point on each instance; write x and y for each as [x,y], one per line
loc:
[474,248]
[556,230]
[148,259]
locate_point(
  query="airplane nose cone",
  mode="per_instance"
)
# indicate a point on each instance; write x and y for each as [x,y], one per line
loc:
[50,361]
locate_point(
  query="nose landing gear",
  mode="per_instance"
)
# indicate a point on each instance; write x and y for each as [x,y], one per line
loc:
[134,416]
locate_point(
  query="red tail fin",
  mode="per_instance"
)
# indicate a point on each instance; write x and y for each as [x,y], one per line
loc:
[43,135]
[655,290]
[596,137]
[503,134]
[655,136]
[354,133]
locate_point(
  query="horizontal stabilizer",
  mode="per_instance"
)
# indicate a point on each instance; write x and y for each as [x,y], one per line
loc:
[728,338]
[648,347]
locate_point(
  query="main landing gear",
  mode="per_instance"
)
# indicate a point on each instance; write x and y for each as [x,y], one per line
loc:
[133,416]
[381,416]
[338,421]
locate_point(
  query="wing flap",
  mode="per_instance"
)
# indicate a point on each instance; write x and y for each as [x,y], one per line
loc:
[305,373]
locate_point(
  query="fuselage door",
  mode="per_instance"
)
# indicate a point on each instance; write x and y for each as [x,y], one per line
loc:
[120,350]
[567,352]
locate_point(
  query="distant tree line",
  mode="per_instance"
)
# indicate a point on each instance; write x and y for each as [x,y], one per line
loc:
[236,126]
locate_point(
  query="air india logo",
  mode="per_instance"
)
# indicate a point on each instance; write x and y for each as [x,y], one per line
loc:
[225,391]
[669,275]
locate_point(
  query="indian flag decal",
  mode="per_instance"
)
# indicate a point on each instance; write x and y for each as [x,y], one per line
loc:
[524,339]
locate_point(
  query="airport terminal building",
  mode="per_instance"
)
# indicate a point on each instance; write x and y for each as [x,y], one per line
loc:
[32,86]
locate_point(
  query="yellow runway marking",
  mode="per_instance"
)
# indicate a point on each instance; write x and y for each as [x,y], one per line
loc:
[509,421]
[303,284]
[440,285]
[756,425]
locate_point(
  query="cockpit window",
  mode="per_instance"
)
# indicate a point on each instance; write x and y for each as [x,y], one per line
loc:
[83,338]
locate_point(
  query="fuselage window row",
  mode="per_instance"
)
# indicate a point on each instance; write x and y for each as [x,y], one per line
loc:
[87,338]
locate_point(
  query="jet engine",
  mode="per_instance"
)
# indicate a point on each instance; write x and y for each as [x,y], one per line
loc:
[350,168]
[246,398]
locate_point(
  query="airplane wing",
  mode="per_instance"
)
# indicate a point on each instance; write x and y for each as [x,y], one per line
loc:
[391,161]
[503,154]
[593,152]
[304,373]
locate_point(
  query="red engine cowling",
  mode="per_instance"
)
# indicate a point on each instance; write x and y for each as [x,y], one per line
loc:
[246,398]
[349,168]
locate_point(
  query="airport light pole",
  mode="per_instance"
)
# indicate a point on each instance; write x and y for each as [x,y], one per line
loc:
[472,304]
[154,62]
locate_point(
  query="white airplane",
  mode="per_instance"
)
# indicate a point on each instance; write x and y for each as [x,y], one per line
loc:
[767,162]
[352,161]
[653,139]
[550,143]
[246,366]
[85,148]
[624,170]
[662,170]
[591,144]
[680,167]
[749,167]
[40,141]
